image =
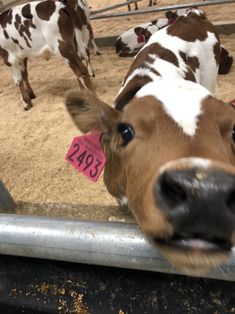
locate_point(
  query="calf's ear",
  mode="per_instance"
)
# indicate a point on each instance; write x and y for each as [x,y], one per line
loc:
[89,112]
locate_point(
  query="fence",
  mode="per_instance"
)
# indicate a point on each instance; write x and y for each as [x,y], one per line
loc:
[96,16]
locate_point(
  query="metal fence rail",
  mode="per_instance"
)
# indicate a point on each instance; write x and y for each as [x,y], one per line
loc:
[162,8]
[99,243]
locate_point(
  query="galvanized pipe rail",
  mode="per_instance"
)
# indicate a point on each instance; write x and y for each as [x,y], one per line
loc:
[111,7]
[99,243]
[162,8]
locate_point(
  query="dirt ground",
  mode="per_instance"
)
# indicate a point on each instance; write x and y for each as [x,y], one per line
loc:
[33,144]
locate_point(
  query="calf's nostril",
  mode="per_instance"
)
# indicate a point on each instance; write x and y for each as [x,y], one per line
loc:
[171,190]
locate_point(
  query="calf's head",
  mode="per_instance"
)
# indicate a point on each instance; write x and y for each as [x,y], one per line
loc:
[176,171]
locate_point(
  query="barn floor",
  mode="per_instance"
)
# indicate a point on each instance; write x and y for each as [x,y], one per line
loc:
[41,286]
[34,143]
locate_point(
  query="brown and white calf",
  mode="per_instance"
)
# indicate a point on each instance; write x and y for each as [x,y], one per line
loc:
[131,41]
[170,144]
[44,28]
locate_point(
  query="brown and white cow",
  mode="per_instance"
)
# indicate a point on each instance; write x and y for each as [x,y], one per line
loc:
[129,43]
[44,28]
[170,144]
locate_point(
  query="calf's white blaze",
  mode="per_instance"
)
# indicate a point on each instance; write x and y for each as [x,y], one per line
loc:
[180,99]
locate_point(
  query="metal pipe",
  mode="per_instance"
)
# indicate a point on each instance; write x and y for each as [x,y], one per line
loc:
[100,243]
[115,6]
[162,8]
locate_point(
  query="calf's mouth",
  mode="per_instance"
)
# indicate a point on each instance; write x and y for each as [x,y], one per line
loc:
[195,243]
[194,255]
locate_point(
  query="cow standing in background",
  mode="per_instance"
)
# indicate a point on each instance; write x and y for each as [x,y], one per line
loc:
[43,28]
[170,144]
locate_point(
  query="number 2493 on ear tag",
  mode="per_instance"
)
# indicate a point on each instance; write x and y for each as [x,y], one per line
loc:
[87,156]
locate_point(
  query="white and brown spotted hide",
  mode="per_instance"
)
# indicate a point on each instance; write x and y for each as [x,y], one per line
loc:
[41,28]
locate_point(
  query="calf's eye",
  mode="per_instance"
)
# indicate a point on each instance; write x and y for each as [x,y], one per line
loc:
[233,134]
[126,131]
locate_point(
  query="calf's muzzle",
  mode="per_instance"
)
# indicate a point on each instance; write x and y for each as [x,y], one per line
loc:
[199,203]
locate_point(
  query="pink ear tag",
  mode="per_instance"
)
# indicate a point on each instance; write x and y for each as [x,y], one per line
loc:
[170,21]
[87,156]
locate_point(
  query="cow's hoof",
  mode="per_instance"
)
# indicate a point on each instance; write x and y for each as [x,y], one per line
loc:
[32,95]
[28,107]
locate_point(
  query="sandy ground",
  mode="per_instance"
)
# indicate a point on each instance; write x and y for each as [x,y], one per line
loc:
[33,144]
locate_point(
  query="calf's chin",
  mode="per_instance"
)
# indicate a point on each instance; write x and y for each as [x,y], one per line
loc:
[193,263]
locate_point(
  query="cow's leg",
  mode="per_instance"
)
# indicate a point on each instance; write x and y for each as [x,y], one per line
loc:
[25,79]
[68,52]
[17,70]
[89,66]
[96,49]
[136,6]
[81,43]
[91,35]
[87,33]
[152,2]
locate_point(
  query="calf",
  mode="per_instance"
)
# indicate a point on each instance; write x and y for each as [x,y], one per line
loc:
[170,144]
[130,42]
[41,29]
